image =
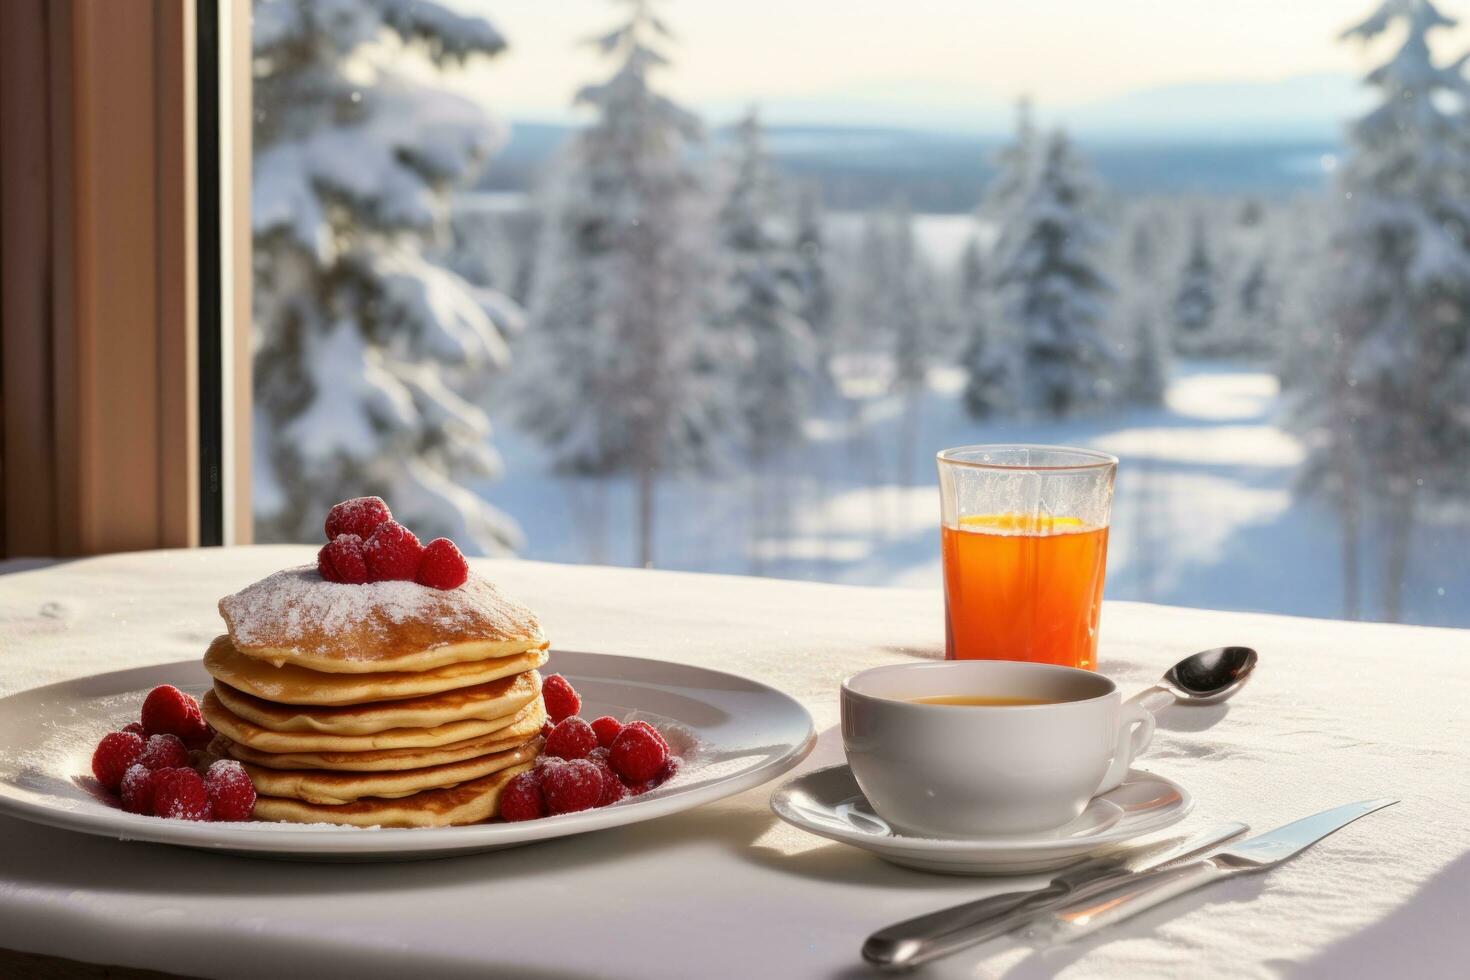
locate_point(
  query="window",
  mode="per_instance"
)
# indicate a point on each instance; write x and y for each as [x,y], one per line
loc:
[709,292]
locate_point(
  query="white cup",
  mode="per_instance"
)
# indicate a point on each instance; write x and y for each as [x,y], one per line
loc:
[940,770]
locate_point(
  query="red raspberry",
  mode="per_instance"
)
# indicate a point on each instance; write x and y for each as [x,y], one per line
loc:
[442,566]
[612,787]
[357,516]
[341,560]
[180,794]
[638,789]
[164,752]
[572,738]
[231,793]
[137,788]
[136,727]
[669,771]
[638,754]
[571,786]
[392,553]
[561,701]
[169,711]
[113,755]
[645,726]
[607,728]
[522,798]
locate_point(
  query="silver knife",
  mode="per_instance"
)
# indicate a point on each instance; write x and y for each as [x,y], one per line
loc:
[1259,853]
[914,941]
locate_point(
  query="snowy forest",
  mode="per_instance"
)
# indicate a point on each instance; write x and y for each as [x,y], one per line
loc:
[669,349]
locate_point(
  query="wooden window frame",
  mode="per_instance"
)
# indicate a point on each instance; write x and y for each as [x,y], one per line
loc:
[102,314]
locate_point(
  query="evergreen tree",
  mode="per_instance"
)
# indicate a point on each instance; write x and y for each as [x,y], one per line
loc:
[813,275]
[1147,371]
[762,311]
[1194,300]
[988,350]
[1052,292]
[371,359]
[1389,419]
[622,365]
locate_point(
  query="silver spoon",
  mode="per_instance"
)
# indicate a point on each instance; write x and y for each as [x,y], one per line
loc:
[1207,677]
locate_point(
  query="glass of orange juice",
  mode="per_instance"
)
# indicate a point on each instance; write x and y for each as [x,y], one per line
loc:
[1024,535]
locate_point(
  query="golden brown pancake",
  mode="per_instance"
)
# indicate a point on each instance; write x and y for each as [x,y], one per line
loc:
[519,732]
[471,802]
[238,729]
[297,617]
[498,699]
[289,684]
[316,786]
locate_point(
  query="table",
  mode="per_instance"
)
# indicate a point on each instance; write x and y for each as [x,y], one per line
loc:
[1338,712]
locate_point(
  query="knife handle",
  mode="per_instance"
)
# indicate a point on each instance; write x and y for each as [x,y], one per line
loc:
[1139,893]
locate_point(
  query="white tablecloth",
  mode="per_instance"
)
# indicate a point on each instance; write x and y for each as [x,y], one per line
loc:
[1338,712]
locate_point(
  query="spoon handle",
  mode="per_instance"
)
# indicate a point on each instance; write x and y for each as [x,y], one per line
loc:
[1153,698]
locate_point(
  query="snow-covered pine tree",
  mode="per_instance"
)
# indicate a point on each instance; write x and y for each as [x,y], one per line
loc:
[814,275]
[623,373]
[1052,291]
[760,314]
[1388,420]
[988,352]
[762,309]
[913,322]
[1147,369]
[1194,299]
[371,360]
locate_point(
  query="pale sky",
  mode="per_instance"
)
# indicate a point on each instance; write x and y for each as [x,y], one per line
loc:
[1062,52]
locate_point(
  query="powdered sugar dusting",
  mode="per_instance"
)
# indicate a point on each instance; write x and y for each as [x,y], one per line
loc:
[297,610]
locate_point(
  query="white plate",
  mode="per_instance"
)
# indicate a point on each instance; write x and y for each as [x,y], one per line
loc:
[828,803]
[735,734]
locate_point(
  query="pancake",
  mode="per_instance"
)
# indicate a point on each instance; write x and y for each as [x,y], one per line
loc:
[519,732]
[471,802]
[289,684]
[238,729]
[297,617]
[332,788]
[498,699]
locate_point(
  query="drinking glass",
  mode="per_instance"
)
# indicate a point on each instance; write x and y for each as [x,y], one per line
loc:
[1024,534]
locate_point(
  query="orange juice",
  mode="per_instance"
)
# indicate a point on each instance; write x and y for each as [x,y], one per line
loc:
[1020,587]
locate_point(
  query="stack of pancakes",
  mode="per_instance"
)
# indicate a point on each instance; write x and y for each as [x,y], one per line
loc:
[386,704]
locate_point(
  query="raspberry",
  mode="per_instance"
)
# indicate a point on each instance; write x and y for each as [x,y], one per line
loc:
[357,516]
[341,560]
[669,771]
[607,728]
[571,786]
[658,735]
[547,727]
[169,711]
[180,794]
[231,793]
[572,738]
[164,752]
[138,784]
[638,753]
[612,787]
[113,755]
[442,566]
[392,553]
[136,727]
[561,700]
[522,797]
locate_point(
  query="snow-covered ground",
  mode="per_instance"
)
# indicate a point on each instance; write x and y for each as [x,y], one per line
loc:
[1203,514]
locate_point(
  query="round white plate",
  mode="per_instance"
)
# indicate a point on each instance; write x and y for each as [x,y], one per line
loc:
[828,803]
[734,734]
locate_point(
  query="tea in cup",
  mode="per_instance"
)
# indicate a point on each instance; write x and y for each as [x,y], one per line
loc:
[968,748]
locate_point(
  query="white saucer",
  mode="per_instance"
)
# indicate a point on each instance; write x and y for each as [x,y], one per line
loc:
[828,803]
